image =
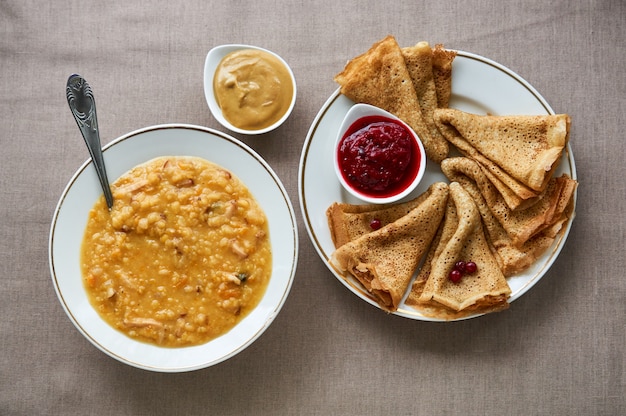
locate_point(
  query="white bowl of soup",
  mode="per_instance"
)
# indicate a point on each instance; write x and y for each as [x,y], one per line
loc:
[249,90]
[154,256]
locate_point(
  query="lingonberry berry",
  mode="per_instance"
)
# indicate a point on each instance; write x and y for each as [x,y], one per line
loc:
[455,275]
[375,224]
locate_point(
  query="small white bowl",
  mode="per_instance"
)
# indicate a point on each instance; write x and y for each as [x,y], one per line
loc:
[355,113]
[213,59]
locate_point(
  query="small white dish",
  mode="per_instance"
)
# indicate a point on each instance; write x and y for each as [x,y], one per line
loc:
[213,58]
[356,113]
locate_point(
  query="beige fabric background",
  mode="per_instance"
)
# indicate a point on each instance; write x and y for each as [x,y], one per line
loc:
[558,350]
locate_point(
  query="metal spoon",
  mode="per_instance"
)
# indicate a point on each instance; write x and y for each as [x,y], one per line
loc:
[83,106]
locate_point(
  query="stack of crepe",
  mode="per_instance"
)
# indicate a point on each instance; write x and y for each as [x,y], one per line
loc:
[505,209]
[408,82]
[517,153]
[516,236]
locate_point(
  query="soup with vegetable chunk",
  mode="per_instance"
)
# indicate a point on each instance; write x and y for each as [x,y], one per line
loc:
[183,255]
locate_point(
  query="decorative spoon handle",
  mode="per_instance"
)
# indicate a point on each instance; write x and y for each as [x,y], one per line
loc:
[83,106]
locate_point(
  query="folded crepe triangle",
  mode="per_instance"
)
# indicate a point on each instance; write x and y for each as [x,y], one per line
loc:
[419,62]
[384,261]
[461,237]
[347,222]
[517,152]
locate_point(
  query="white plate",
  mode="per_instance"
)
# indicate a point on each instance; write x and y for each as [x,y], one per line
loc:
[479,86]
[70,219]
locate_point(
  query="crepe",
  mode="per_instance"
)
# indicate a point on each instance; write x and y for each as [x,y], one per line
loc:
[460,238]
[380,78]
[521,152]
[419,62]
[442,74]
[512,257]
[384,261]
[520,224]
[347,222]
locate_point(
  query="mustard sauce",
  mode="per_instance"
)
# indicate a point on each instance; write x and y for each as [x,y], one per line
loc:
[253,89]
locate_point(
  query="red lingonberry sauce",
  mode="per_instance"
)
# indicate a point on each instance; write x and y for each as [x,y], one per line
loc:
[378,156]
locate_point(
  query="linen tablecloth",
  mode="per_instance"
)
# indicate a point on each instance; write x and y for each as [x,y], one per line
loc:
[558,350]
